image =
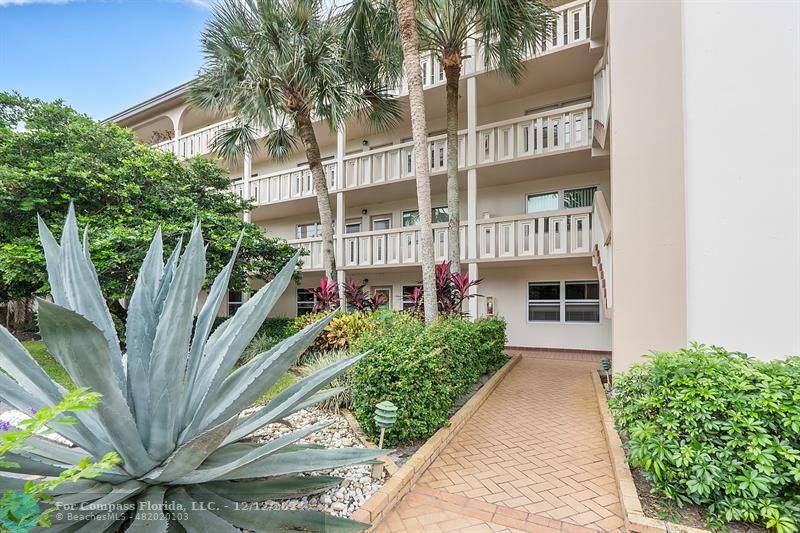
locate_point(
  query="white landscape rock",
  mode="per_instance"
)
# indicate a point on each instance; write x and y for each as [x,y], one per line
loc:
[357,485]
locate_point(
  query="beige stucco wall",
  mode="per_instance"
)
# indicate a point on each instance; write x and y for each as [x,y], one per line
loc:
[509,285]
[743,191]
[647,180]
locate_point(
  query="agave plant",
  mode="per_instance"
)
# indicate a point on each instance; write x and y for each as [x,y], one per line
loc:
[171,406]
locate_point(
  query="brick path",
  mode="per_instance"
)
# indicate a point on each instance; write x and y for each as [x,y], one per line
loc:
[533,458]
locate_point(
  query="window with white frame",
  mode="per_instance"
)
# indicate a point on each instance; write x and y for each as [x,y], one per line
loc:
[564,301]
[544,301]
[582,301]
[408,297]
[308,231]
[563,199]
[305,302]
[438,215]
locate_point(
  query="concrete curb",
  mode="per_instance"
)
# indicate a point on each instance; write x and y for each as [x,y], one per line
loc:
[635,519]
[377,506]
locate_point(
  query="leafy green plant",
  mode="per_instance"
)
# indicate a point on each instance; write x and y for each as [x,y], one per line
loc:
[344,398]
[422,370]
[125,189]
[715,428]
[27,496]
[171,408]
[342,332]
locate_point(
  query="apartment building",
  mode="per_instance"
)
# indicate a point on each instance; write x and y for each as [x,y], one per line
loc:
[625,235]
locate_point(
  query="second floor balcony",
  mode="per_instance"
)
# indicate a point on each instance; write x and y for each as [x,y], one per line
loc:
[552,234]
[558,130]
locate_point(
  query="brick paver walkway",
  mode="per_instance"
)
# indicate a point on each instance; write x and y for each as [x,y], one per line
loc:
[533,458]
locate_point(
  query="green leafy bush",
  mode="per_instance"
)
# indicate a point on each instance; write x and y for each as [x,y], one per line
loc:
[342,399]
[710,427]
[423,370]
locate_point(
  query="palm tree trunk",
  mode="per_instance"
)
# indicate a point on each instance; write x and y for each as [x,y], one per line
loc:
[409,41]
[306,131]
[452,70]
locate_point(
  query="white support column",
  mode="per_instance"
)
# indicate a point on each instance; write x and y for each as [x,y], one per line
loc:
[176,134]
[247,171]
[341,141]
[473,303]
[472,173]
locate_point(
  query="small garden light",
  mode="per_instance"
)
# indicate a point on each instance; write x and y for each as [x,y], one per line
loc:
[385,417]
[605,364]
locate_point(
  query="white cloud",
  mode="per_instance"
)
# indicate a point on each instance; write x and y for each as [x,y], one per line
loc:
[25,2]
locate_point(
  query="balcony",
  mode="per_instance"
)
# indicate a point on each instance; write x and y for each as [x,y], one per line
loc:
[564,233]
[571,27]
[529,136]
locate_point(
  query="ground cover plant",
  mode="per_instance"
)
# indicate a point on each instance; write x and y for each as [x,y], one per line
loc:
[714,428]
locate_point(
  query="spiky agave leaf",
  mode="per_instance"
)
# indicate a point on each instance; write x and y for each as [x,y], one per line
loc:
[171,406]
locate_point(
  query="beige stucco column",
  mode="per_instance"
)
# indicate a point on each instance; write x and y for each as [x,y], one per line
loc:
[647,178]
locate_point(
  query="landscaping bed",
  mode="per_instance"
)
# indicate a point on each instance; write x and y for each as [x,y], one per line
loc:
[712,439]
[357,484]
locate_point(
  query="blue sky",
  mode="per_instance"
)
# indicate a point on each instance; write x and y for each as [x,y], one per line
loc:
[100,56]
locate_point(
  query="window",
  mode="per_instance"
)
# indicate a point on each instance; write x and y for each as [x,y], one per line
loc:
[387,296]
[305,301]
[235,301]
[579,197]
[408,297]
[542,202]
[309,231]
[544,301]
[381,222]
[568,199]
[582,301]
[352,226]
[438,214]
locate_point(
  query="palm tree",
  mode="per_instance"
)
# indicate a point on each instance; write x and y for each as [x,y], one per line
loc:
[505,31]
[278,66]
[385,32]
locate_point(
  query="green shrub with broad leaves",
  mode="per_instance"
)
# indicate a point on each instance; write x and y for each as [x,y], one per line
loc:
[172,407]
[715,428]
[422,370]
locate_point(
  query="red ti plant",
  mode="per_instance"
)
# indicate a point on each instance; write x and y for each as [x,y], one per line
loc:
[358,297]
[452,289]
[326,296]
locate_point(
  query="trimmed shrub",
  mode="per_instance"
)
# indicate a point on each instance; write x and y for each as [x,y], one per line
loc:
[422,370]
[715,428]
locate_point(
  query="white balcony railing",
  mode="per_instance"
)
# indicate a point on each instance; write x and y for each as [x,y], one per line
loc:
[532,135]
[549,234]
[571,26]
[556,130]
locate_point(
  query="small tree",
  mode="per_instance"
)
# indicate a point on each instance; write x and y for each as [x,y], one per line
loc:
[50,154]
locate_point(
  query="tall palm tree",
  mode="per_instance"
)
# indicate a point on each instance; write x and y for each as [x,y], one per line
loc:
[381,35]
[506,32]
[278,66]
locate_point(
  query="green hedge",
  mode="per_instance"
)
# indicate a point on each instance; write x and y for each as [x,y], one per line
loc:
[422,370]
[710,427]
